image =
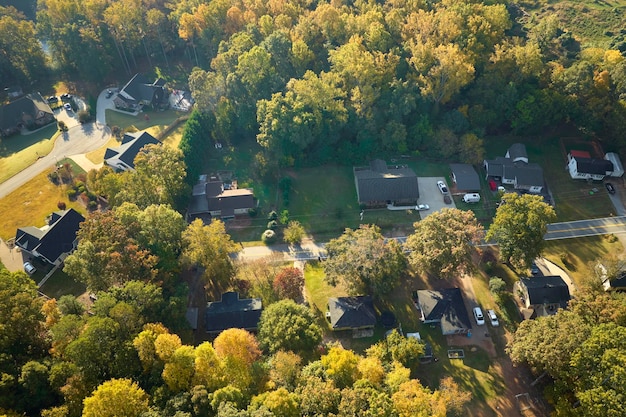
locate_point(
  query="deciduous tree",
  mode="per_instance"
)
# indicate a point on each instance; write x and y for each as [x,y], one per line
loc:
[117,397]
[288,283]
[294,233]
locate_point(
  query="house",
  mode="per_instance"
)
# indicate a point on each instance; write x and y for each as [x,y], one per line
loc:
[232,312]
[351,313]
[615,282]
[514,169]
[445,307]
[379,185]
[213,197]
[618,168]
[139,92]
[30,112]
[122,158]
[465,177]
[582,167]
[53,242]
[543,295]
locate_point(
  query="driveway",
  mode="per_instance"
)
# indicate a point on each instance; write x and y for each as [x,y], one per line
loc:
[104,103]
[430,194]
[617,198]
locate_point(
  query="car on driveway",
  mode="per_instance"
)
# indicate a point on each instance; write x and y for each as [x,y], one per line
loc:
[422,207]
[493,319]
[52,99]
[610,188]
[442,187]
[29,268]
[478,316]
[447,199]
[67,106]
[534,269]
[66,97]
[109,93]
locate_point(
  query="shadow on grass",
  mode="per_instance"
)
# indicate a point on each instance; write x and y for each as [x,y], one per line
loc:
[17,143]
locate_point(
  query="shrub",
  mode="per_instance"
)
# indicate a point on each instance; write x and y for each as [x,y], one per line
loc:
[272,224]
[284,216]
[53,177]
[71,194]
[253,212]
[92,205]
[61,205]
[83,116]
[497,286]
[268,237]
[272,215]
[62,125]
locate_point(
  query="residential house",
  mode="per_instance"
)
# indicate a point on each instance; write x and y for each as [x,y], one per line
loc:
[351,313]
[465,178]
[582,166]
[618,168]
[379,185]
[213,197]
[543,295]
[139,92]
[232,312]
[445,307]
[53,242]
[616,281]
[28,112]
[514,169]
[122,158]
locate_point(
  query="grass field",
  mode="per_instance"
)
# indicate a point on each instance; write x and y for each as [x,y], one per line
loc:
[143,120]
[19,152]
[33,202]
[61,284]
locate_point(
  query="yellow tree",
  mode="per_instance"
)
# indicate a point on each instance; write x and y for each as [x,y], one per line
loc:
[179,369]
[116,397]
[208,369]
[144,344]
[237,350]
[341,366]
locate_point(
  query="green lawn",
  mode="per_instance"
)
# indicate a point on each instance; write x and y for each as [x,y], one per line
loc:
[143,120]
[19,152]
[60,284]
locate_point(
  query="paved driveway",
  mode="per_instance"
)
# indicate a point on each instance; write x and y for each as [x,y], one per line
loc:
[430,194]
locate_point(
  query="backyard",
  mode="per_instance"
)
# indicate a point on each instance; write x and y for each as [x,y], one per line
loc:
[20,151]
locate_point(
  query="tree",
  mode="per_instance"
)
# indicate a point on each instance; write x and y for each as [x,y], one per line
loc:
[208,369]
[288,283]
[364,261]
[280,402]
[179,369]
[22,59]
[237,350]
[443,242]
[294,233]
[341,366]
[210,247]
[285,369]
[519,226]
[286,325]
[117,397]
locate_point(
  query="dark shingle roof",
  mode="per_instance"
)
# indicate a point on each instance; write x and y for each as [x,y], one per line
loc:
[517,150]
[446,306]
[130,147]
[525,174]
[31,104]
[231,312]
[593,166]
[546,290]
[140,89]
[57,239]
[466,177]
[392,183]
[351,312]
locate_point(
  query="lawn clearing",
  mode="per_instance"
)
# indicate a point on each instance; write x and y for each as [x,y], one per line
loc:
[19,152]
[173,138]
[318,291]
[142,121]
[97,156]
[33,202]
[60,284]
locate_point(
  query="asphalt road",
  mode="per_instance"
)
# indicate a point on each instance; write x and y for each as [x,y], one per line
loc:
[583,228]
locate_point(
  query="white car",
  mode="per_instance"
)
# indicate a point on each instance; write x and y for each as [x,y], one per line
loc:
[421,207]
[493,318]
[478,316]
[29,268]
[442,187]
[67,106]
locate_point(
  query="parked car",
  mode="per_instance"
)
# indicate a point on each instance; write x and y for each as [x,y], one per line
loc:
[442,187]
[447,199]
[52,99]
[29,268]
[493,319]
[478,316]
[421,207]
[109,93]
[67,106]
[66,97]
[534,269]
[610,188]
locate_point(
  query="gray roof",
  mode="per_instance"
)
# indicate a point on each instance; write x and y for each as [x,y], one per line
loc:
[446,306]
[232,312]
[525,174]
[351,312]
[388,183]
[593,166]
[211,196]
[466,177]
[31,104]
[546,290]
[140,89]
[130,147]
[517,150]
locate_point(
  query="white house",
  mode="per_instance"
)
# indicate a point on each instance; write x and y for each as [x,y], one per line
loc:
[618,168]
[582,167]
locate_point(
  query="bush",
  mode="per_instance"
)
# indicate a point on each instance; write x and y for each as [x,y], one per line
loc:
[71,194]
[497,286]
[62,125]
[53,177]
[253,212]
[61,205]
[92,205]
[83,116]
[284,217]
[272,224]
[272,215]
[268,237]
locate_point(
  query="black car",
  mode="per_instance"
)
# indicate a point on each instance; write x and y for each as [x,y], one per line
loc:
[66,97]
[610,188]
[52,99]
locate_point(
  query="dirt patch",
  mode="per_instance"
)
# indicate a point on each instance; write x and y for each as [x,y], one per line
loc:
[517,381]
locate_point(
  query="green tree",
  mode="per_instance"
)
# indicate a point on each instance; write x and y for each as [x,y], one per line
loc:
[365,400]
[519,227]
[443,242]
[179,369]
[286,325]
[22,59]
[294,233]
[209,246]
[280,402]
[117,397]
[285,369]
[364,261]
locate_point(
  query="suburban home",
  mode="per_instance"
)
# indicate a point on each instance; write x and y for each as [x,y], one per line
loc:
[465,178]
[232,312]
[379,185]
[213,197]
[28,112]
[616,282]
[543,295]
[582,166]
[139,92]
[122,158]
[351,313]
[514,169]
[445,307]
[53,242]
[618,168]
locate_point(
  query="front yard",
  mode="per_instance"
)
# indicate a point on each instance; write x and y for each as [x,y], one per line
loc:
[19,152]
